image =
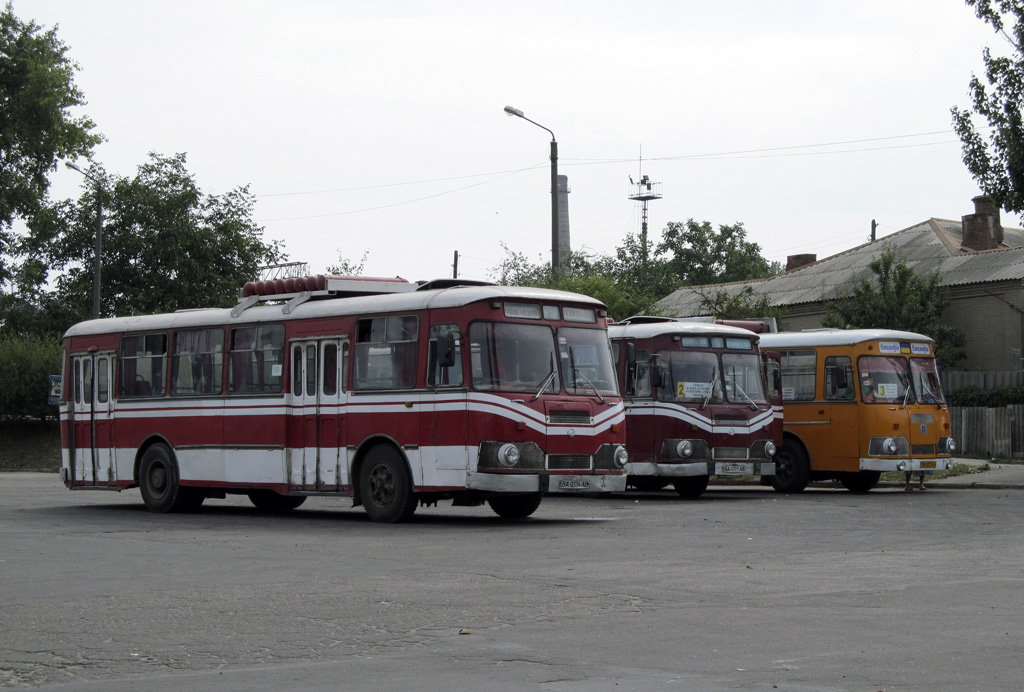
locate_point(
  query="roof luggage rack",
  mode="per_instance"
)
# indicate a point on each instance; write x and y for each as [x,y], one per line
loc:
[297,290]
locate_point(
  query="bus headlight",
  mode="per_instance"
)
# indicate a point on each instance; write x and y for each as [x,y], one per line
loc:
[901,466]
[684,449]
[508,455]
[621,456]
[947,445]
[889,446]
[769,449]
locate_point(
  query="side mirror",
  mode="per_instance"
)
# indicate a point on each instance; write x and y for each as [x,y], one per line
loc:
[446,351]
[658,374]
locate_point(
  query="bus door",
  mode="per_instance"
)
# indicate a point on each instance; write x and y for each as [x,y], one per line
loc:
[316,453]
[444,435]
[92,418]
[840,391]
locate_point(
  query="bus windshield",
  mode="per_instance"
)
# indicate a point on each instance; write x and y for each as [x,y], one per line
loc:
[586,361]
[884,380]
[743,378]
[692,376]
[926,380]
[510,357]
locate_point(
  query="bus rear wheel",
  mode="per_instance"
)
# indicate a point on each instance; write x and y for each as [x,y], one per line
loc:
[270,501]
[515,506]
[385,486]
[792,468]
[159,483]
[691,486]
[860,481]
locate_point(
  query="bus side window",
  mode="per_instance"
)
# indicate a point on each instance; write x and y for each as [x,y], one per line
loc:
[142,365]
[386,353]
[444,356]
[798,375]
[839,379]
[642,375]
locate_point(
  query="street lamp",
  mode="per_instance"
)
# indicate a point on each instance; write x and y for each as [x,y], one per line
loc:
[99,239]
[556,263]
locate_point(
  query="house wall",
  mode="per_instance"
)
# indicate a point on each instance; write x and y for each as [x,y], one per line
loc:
[991,318]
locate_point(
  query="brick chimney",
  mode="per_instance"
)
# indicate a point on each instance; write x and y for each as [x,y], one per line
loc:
[982,230]
[794,261]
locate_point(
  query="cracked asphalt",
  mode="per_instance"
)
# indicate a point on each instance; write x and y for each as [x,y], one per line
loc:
[743,589]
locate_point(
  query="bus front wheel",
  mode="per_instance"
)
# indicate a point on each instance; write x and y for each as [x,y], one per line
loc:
[860,481]
[385,486]
[691,486]
[515,506]
[160,485]
[792,468]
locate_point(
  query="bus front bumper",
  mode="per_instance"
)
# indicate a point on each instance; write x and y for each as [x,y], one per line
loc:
[547,483]
[905,464]
[701,468]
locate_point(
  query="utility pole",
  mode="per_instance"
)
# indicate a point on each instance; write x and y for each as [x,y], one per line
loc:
[455,266]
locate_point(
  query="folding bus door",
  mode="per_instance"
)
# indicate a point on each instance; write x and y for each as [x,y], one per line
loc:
[316,455]
[92,409]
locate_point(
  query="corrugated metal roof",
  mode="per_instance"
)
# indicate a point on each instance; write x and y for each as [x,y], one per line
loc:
[930,246]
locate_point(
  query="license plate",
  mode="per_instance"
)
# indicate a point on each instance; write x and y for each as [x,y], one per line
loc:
[734,469]
[573,484]
[927,464]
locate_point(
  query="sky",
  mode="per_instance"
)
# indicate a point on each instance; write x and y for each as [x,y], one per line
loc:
[377,129]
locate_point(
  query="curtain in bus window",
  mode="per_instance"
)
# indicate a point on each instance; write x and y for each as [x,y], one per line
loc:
[798,374]
[884,380]
[513,357]
[197,362]
[742,373]
[693,376]
[256,360]
[142,365]
[386,353]
[926,381]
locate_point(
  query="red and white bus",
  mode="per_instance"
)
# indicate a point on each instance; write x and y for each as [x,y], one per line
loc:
[697,401]
[387,392]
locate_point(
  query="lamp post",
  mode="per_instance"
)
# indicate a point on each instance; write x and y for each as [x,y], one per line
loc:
[556,263]
[99,239]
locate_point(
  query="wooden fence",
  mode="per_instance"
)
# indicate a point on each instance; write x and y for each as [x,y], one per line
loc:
[993,432]
[955,380]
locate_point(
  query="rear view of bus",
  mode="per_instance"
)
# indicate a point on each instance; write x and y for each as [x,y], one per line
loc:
[697,403]
[858,403]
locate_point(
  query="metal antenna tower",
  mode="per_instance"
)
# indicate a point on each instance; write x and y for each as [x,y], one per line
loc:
[644,191]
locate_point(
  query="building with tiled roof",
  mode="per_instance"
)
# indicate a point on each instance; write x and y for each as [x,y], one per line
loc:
[980,262]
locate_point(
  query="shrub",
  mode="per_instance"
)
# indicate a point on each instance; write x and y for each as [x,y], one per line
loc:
[987,398]
[26,363]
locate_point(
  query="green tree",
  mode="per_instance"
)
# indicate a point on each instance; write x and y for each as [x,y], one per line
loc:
[166,246]
[741,305]
[697,255]
[26,362]
[898,298]
[37,128]
[998,164]
[347,267]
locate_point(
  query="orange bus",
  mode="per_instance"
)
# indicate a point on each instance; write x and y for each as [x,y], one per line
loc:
[856,403]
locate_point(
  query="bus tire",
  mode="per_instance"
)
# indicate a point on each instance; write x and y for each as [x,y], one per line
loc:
[646,484]
[861,481]
[270,501]
[159,483]
[792,468]
[385,486]
[515,506]
[691,486]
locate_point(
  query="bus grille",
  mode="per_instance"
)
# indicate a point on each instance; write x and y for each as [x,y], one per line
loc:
[731,422]
[923,449]
[570,417]
[730,452]
[568,462]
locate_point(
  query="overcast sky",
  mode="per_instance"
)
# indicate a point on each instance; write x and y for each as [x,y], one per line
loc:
[378,127]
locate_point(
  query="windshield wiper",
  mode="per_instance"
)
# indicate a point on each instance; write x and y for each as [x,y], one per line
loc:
[577,375]
[547,380]
[906,398]
[711,390]
[737,386]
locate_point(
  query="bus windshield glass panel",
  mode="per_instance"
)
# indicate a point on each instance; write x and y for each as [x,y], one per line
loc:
[511,357]
[586,361]
[693,376]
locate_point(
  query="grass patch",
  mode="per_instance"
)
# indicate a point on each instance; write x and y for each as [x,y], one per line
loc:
[29,446]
